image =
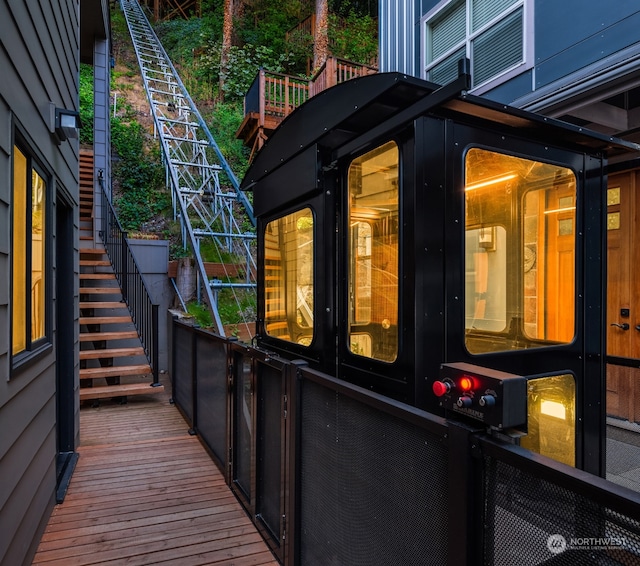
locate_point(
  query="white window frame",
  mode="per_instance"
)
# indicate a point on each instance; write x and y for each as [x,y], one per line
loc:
[513,71]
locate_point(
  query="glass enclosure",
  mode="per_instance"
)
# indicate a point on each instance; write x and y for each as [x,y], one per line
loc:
[289,273]
[373,254]
[520,252]
[551,418]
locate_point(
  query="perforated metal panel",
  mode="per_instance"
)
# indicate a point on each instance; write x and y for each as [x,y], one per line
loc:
[212,395]
[269,449]
[372,486]
[243,425]
[182,371]
[532,521]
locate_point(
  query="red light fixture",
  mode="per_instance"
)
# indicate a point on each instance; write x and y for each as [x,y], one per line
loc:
[465,383]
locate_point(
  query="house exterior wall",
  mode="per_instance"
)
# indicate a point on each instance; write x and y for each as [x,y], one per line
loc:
[39,59]
[574,40]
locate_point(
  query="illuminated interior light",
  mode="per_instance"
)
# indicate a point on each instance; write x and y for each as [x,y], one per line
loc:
[553,409]
[490,182]
[465,383]
[566,209]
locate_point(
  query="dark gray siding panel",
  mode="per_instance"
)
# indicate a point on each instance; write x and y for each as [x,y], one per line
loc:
[587,18]
[39,61]
[513,89]
[588,50]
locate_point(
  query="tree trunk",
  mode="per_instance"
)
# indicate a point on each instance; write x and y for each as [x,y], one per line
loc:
[227,37]
[321,36]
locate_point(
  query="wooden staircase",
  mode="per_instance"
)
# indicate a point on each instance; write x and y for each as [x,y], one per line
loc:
[113,363]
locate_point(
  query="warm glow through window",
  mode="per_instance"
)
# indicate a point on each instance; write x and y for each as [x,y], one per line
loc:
[520,252]
[373,254]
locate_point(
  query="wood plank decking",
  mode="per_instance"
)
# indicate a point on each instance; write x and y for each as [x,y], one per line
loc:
[146,492]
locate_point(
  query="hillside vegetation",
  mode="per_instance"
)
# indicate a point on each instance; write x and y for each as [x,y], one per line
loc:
[264,37]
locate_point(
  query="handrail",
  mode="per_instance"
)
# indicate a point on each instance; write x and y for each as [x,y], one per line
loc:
[143,310]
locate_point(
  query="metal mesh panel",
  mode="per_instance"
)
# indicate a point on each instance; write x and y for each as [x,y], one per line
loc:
[531,521]
[243,420]
[183,368]
[212,394]
[365,486]
[269,488]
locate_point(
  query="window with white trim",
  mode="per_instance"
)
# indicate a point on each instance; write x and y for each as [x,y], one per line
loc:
[491,33]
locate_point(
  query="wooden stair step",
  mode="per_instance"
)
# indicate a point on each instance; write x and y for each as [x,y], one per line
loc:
[102,305]
[104,319]
[97,276]
[99,290]
[99,336]
[94,263]
[111,353]
[114,371]
[98,251]
[124,390]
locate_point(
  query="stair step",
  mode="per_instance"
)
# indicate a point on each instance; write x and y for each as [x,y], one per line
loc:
[111,353]
[97,276]
[94,263]
[100,290]
[125,390]
[102,305]
[97,251]
[99,336]
[115,371]
[104,319]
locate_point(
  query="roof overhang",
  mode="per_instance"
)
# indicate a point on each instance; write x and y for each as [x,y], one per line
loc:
[341,118]
[94,24]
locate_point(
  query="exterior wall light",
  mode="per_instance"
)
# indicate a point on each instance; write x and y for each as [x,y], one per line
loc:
[63,124]
[67,124]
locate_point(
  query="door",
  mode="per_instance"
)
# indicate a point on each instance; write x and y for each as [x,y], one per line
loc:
[64,336]
[623,297]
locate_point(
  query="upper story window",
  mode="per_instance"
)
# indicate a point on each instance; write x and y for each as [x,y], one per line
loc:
[29,256]
[491,33]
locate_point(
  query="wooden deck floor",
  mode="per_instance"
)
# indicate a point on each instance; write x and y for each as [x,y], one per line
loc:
[146,492]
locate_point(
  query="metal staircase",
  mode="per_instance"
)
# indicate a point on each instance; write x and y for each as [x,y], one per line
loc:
[206,195]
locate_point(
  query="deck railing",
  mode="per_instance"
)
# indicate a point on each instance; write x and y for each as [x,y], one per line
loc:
[277,94]
[143,310]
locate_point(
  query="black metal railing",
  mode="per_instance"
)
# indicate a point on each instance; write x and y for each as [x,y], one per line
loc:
[334,474]
[143,310]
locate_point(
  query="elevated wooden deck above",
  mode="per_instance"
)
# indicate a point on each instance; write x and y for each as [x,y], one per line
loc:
[273,96]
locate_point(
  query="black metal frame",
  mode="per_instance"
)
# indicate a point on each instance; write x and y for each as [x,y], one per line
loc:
[143,310]
[470,532]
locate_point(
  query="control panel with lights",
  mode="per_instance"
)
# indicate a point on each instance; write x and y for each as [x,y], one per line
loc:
[496,398]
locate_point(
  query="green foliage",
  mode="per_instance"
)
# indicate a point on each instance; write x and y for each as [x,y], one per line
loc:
[182,37]
[354,38]
[140,175]
[234,312]
[223,122]
[86,104]
[201,313]
[266,22]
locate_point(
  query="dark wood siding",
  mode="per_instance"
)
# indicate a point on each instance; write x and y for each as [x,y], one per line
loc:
[39,59]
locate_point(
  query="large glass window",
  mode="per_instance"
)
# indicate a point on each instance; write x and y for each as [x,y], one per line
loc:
[289,274]
[520,252]
[373,254]
[491,33]
[28,299]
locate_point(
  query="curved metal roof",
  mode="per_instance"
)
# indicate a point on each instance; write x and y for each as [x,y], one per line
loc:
[337,117]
